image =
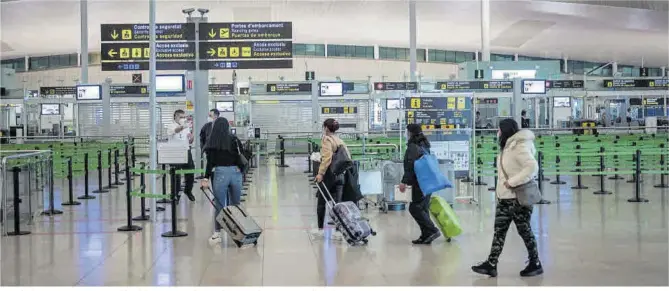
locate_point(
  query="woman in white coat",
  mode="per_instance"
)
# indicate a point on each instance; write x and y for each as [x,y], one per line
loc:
[517,160]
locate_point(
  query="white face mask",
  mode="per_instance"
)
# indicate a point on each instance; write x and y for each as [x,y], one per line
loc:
[182,121]
[211,119]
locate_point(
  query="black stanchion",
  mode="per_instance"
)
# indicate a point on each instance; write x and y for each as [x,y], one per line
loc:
[615,169]
[602,168]
[308,158]
[125,147]
[663,167]
[134,157]
[579,180]
[164,185]
[86,196]
[17,201]
[116,169]
[540,180]
[637,185]
[110,185]
[70,194]
[51,210]
[100,187]
[128,202]
[142,201]
[557,164]
[634,177]
[494,165]
[175,189]
[479,181]
[282,156]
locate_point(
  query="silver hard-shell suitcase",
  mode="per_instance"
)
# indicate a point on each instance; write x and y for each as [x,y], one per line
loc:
[241,227]
[347,218]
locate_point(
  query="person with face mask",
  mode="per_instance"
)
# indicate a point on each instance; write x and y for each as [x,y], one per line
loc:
[179,131]
[516,166]
[419,208]
[206,128]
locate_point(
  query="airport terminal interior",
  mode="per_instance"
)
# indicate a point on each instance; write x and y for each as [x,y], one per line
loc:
[114,121]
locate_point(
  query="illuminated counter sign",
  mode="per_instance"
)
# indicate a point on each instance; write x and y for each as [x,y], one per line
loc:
[246,30]
[246,50]
[339,110]
[564,84]
[141,51]
[129,91]
[474,85]
[289,88]
[636,83]
[140,32]
[395,86]
[658,83]
[221,89]
[58,91]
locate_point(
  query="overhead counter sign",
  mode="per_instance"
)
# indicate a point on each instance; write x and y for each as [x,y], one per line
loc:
[636,83]
[58,91]
[140,32]
[289,88]
[129,91]
[474,85]
[246,30]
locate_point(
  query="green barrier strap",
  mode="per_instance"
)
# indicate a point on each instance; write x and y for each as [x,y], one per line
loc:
[146,195]
[193,171]
[148,171]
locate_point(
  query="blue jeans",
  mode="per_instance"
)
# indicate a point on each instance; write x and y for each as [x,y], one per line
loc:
[227,188]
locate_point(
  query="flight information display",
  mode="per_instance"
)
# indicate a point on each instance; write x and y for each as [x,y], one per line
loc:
[128,91]
[474,85]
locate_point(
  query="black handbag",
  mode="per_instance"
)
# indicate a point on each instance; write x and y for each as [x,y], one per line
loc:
[341,162]
[243,161]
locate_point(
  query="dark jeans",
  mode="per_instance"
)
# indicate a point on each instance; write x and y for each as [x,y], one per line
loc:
[507,211]
[420,211]
[190,178]
[337,190]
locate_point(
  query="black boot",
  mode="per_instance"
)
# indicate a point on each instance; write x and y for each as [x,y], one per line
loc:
[418,241]
[532,269]
[485,268]
[430,238]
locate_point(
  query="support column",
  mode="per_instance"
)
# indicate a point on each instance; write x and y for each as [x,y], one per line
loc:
[663,72]
[83,59]
[413,66]
[515,57]
[516,100]
[200,89]
[485,30]
[614,68]
[153,142]
[565,66]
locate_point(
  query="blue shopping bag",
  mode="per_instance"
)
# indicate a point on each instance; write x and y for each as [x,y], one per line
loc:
[430,179]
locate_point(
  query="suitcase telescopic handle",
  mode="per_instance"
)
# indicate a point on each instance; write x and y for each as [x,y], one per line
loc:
[322,185]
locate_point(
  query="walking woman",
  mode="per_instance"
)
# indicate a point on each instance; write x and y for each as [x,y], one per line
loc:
[334,183]
[420,202]
[224,169]
[516,162]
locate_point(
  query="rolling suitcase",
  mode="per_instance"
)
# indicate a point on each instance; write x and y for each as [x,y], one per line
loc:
[241,227]
[347,218]
[445,217]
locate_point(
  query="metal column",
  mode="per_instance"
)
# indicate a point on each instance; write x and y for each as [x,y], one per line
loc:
[516,100]
[200,88]
[485,30]
[83,11]
[153,142]
[412,40]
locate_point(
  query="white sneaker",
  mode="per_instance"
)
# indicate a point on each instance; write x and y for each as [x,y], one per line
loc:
[317,233]
[215,238]
[335,235]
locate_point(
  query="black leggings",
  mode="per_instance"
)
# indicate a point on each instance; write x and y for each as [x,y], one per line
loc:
[337,191]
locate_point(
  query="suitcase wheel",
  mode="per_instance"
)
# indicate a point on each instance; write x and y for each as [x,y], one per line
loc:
[255,243]
[365,241]
[373,232]
[448,239]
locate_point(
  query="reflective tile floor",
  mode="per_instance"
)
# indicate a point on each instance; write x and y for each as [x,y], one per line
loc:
[584,239]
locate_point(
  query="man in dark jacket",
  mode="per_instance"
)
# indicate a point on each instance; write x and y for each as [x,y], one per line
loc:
[420,202]
[206,128]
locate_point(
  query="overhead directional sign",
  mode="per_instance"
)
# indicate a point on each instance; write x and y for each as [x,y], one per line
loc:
[140,32]
[141,51]
[474,85]
[129,91]
[246,64]
[144,66]
[57,91]
[221,89]
[246,30]
[636,83]
[289,87]
[395,86]
[247,50]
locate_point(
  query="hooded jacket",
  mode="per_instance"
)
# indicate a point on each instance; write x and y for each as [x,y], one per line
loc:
[518,161]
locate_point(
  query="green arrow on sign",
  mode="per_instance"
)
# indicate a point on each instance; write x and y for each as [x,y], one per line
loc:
[211,52]
[212,33]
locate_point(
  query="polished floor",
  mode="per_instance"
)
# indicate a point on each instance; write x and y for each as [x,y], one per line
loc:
[584,239]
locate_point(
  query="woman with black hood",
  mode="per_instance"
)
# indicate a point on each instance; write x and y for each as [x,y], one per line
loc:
[420,202]
[224,168]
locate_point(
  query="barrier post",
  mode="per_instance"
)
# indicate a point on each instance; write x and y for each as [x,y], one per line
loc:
[134,157]
[128,201]
[100,187]
[86,196]
[17,201]
[110,185]
[175,189]
[637,184]
[164,185]
[51,210]
[634,176]
[540,174]
[125,150]
[142,200]
[70,194]
[663,168]
[602,168]
[479,182]
[579,180]
[557,176]
[616,161]
[282,153]
[116,168]
[494,165]
[308,158]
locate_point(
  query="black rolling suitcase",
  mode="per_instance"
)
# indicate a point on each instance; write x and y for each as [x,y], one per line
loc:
[241,227]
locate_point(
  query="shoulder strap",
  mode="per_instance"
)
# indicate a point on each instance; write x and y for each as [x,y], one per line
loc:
[501,166]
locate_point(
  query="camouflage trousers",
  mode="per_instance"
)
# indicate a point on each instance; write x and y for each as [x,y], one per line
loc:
[509,210]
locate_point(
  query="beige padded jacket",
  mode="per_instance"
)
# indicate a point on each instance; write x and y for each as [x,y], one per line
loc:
[329,145]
